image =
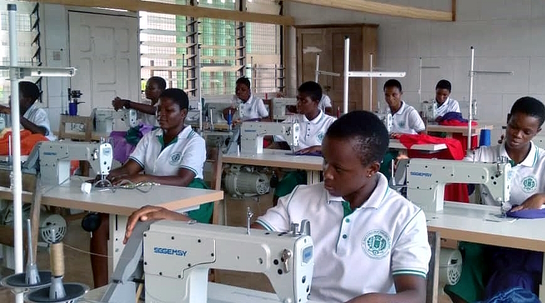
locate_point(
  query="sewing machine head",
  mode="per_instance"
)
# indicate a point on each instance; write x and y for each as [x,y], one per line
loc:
[429,110]
[214,109]
[55,157]
[426,179]
[387,120]
[252,134]
[105,119]
[178,256]
[280,107]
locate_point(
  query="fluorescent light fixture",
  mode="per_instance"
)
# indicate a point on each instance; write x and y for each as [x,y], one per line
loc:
[377,74]
[33,71]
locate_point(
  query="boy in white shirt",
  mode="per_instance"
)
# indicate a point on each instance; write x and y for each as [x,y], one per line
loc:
[445,104]
[370,243]
[406,119]
[527,189]
[314,124]
[325,104]
[172,155]
[252,107]
[154,87]
[33,118]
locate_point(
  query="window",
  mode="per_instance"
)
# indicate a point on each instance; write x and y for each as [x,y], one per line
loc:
[170,49]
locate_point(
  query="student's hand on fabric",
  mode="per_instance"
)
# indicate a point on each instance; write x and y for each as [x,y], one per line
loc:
[395,135]
[119,103]
[150,213]
[237,122]
[136,178]
[535,201]
[5,110]
[309,150]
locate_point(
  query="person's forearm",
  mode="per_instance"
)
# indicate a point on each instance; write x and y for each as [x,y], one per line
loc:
[408,296]
[143,108]
[35,129]
[169,180]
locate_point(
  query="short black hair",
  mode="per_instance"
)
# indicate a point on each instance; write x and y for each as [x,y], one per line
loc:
[244,80]
[177,95]
[159,81]
[444,84]
[311,89]
[531,107]
[392,83]
[29,90]
[365,127]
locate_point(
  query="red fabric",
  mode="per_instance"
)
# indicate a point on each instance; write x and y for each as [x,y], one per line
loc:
[453,192]
[463,140]
[456,123]
[28,140]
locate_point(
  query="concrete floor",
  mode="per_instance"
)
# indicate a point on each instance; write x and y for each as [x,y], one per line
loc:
[78,264]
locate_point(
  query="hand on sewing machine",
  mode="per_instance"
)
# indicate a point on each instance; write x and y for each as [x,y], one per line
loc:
[151,213]
[395,135]
[310,150]
[5,110]
[119,103]
[136,178]
[535,201]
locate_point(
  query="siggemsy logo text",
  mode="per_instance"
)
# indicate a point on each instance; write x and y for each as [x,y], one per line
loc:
[169,251]
[420,174]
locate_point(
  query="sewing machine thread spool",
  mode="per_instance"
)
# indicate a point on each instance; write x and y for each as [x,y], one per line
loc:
[31,278]
[57,292]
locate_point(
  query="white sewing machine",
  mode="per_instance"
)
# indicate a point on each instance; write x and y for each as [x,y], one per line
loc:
[252,134]
[387,120]
[178,256]
[280,107]
[214,110]
[105,119]
[55,156]
[539,141]
[429,110]
[426,179]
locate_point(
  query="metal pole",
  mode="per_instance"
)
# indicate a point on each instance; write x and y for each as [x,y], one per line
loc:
[317,73]
[371,83]
[470,117]
[199,86]
[16,133]
[346,73]
[420,82]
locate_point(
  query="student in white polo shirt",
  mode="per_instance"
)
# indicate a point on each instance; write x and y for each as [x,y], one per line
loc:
[406,119]
[325,105]
[445,104]
[171,155]
[314,124]
[370,243]
[154,87]
[252,107]
[527,188]
[33,117]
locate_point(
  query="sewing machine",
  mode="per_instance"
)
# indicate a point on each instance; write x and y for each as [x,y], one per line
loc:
[387,120]
[539,141]
[214,110]
[55,156]
[280,107]
[178,255]
[104,118]
[429,110]
[426,179]
[252,134]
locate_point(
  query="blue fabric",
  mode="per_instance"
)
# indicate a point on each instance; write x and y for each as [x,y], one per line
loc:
[452,116]
[514,295]
[527,213]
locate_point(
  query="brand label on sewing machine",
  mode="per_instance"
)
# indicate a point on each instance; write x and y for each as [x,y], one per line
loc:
[420,174]
[169,251]
[50,153]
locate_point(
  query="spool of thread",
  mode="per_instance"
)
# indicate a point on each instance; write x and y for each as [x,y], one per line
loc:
[57,259]
[484,138]
[73,108]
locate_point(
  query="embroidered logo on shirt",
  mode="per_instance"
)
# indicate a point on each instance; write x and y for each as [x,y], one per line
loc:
[320,137]
[376,244]
[401,124]
[174,159]
[529,184]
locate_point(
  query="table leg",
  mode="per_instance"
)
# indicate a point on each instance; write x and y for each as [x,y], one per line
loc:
[313,176]
[115,244]
[542,285]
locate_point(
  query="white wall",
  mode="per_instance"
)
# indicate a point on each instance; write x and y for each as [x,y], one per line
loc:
[507,36]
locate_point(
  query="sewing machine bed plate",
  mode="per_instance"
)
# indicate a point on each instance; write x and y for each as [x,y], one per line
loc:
[470,222]
[395,144]
[276,158]
[456,129]
[217,293]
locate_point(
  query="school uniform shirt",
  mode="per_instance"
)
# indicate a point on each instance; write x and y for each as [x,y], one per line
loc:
[360,252]
[325,102]
[38,116]
[312,132]
[407,120]
[450,105]
[526,177]
[150,119]
[187,151]
[253,108]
